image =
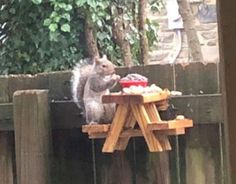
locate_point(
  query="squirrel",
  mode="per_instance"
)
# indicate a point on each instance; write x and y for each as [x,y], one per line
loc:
[90,80]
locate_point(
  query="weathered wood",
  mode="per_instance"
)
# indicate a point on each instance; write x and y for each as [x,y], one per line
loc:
[66,115]
[4,89]
[6,116]
[6,155]
[24,82]
[72,157]
[59,85]
[196,78]
[116,128]
[192,79]
[227,42]
[134,99]
[151,167]
[6,138]
[161,75]
[115,168]
[200,155]
[201,109]
[32,136]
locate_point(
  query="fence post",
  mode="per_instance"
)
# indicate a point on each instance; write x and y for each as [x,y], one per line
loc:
[32,136]
[6,141]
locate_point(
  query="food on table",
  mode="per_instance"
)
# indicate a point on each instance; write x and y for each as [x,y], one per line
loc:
[134,77]
[140,89]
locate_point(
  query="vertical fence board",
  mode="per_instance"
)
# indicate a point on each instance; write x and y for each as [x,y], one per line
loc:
[200,159]
[6,142]
[6,158]
[59,85]
[114,168]
[72,158]
[32,136]
[24,82]
[4,89]
[197,78]
[151,167]
[200,148]
[161,75]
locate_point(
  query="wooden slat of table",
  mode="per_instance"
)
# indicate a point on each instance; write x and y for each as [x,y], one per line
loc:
[171,124]
[154,116]
[95,128]
[123,141]
[116,128]
[134,99]
[137,133]
[143,120]
[152,112]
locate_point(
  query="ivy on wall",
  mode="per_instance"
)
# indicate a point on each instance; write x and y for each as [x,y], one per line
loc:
[48,35]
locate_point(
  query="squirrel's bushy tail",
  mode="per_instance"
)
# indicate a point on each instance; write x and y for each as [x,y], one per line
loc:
[79,77]
[75,81]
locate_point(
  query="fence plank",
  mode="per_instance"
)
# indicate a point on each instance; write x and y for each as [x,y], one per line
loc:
[202,109]
[115,168]
[4,89]
[59,85]
[24,82]
[6,138]
[200,157]
[197,78]
[6,155]
[32,136]
[66,115]
[151,167]
[161,75]
[72,158]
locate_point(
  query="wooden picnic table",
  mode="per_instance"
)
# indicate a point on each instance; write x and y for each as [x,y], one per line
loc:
[141,109]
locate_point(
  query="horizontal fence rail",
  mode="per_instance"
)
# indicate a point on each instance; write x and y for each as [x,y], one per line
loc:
[66,115]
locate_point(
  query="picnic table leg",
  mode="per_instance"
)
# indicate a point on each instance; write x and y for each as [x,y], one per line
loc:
[143,120]
[155,117]
[117,124]
[129,124]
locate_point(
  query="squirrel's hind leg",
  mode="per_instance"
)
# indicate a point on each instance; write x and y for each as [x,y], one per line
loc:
[109,112]
[94,112]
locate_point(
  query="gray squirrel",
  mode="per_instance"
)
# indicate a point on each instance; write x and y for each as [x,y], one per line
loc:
[90,80]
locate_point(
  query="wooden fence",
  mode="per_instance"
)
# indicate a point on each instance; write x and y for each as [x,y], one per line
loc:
[44,144]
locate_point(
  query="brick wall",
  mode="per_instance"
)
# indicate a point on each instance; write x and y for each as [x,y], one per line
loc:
[206,25]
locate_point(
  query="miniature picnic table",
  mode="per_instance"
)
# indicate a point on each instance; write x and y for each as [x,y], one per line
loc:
[143,110]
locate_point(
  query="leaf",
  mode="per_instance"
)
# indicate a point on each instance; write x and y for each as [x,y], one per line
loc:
[12,10]
[92,3]
[37,1]
[53,27]
[80,3]
[47,22]
[66,16]
[99,23]
[68,7]
[65,28]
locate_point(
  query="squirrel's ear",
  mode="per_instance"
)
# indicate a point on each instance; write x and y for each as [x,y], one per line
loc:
[97,60]
[104,57]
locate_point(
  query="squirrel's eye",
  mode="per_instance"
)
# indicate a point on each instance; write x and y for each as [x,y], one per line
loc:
[104,66]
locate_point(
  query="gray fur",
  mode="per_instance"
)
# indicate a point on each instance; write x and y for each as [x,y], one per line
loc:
[93,82]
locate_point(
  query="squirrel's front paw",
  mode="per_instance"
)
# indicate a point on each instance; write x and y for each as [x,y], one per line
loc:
[115,77]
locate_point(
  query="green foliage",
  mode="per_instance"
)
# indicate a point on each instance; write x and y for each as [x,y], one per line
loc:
[28,48]
[49,35]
